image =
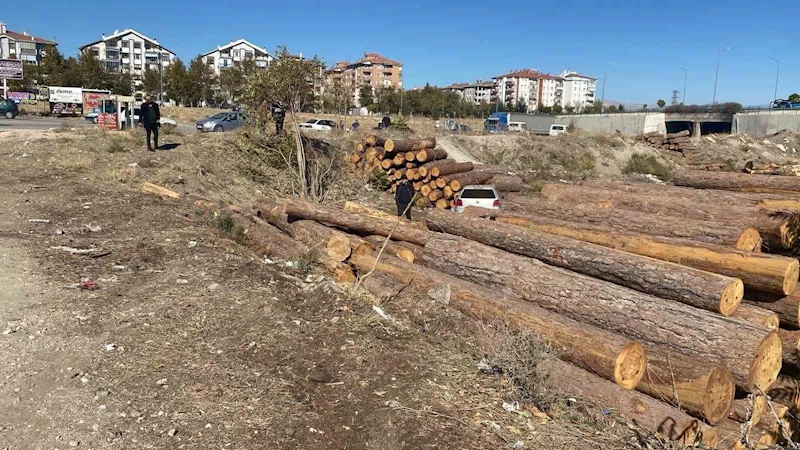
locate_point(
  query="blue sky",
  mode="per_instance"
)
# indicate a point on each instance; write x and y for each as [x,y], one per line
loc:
[450,41]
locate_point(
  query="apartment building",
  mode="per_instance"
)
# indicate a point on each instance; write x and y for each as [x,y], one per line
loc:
[477,93]
[579,90]
[23,46]
[130,51]
[236,52]
[373,69]
[529,86]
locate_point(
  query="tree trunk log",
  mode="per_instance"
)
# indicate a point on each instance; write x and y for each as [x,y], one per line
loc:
[646,412]
[791,346]
[454,168]
[778,229]
[770,273]
[431,154]
[357,222]
[460,180]
[443,204]
[403,250]
[786,391]
[770,184]
[393,145]
[441,183]
[337,244]
[378,214]
[787,308]
[387,163]
[664,279]
[606,354]
[742,238]
[435,195]
[719,197]
[704,392]
[375,141]
[428,166]
[757,316]
[507,183]
[494,169]
[747,409]
[425,190]
[752,353]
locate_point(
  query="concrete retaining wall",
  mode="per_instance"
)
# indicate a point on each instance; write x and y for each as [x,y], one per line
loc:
[633,123]
[760,124]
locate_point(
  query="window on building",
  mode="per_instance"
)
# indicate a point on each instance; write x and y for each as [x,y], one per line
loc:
[137,56]
[27,48]
[112,65]
[164,58]
[137,44]
[210,60]
[248,54]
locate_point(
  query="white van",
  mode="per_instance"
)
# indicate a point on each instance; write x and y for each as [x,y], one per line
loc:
[556,129]
[518,127]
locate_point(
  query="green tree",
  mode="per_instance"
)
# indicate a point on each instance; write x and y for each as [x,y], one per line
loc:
[365,96]
[232,80]
[93,73]
[621,108]
[151,82]
[794,98]
[176,82]
[557,109]
[122,83]
[387,99]
[521,106]
[612,108]
[644,106]
[661,103]
[201,82]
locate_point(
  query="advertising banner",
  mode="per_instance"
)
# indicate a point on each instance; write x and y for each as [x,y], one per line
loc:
[66,109]
[10,69]
[65,95]
[28,98]
[107,121]
[91,100]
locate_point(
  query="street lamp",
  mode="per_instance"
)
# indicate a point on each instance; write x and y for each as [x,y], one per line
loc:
[777,73]
[716,77]
[603,96]
[685,76]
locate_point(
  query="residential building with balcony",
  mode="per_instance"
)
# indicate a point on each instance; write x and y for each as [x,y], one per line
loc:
[529,86]
[236,52]
[476,93]
[579,90]
[373,69]
[23,46]
[132,52]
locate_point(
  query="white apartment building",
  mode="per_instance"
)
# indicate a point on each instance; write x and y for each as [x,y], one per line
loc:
[132,52]
[235,52]
[23,46]
[579,90]
[534,88]
[477,93]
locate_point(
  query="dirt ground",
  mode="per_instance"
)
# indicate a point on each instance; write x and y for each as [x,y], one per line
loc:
[133,321]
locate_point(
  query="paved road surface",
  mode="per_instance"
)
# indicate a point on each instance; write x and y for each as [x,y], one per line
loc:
[40,123]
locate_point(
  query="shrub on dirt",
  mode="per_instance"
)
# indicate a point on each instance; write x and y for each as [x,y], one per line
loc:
[647,164]
[116,146]
[378,180]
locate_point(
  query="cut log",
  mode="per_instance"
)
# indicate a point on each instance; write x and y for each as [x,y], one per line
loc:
[791,346]
[493,169]
[378,214]
[460,180]
[161,191]
[417,185]
[757,316]
[394,145]
[678,134]
[356,222]
[337,244]
[387,163]
[786,391]
[507,183]
[423,171]
[397,247]
[272,212]
[644,411]
[443,204]
[410,165]
[787,308]
[431,154]
[663,279]
[752,353]
[410,174]
[360,147]
[705,392]
[399,160]
[742,238]
[743,182]
[338,248]
[441,183]
[425,190]
[411,155]
[721,197]
[778,229]
[447,192]
[435,195]
[374,140]
[770,273]
[610,356]
[454,168]
[438,163]
[750,408]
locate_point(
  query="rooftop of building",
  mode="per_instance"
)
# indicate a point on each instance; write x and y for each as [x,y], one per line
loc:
[24,36]
[125,32]
[235,43]
[529,73]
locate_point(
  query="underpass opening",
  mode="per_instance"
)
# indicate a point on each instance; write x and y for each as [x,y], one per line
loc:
[676,126]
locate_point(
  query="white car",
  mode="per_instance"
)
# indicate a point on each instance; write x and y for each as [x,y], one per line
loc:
[318,125]
[557,128]
[163,121]
[480,195]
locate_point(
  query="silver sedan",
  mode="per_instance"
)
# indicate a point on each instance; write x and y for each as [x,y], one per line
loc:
[225,121]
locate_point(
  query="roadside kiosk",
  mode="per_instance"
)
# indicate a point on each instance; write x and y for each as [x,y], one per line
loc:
[119,115]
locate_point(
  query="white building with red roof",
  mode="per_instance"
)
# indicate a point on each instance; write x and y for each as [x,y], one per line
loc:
[531,87]
[23,46]
[579,90]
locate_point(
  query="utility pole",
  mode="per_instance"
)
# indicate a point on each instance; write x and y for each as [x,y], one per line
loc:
[777,74]
[160,79]
[605,77]
[716,77]
[675,96]
[685,77]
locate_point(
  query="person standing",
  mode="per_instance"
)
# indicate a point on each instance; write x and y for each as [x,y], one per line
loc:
[403,197]
[149,118]
[279,115]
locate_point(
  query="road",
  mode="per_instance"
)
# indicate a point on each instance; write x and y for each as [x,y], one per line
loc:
[47,123]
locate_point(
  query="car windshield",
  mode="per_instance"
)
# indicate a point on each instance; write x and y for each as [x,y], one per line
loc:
[219,116]
[478,193]
[312,121]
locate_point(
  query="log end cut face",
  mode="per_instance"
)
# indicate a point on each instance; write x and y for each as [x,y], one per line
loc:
[749,240]
[631,365]
[790,277]
[731,297]
[720,391]
[766,364]
[338,248]
[789,230]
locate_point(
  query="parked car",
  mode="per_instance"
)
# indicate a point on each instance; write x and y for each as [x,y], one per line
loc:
[557,128]
[8,108]
[163,121]
[318,125]
[224,121]
[480,195]
[95,113]
[518,127]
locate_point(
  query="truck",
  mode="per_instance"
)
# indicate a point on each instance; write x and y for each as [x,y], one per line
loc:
[519,122]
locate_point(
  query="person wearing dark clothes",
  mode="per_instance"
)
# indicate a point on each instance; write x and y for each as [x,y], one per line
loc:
[149,117]
[386,121]
[403,197]
[280,116]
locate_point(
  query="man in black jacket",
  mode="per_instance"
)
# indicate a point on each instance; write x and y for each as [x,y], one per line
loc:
[149,117]
[403,197]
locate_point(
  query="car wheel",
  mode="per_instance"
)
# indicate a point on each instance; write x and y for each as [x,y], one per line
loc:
[218,129]
[10,115]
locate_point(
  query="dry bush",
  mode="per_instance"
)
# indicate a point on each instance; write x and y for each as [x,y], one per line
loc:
[647,164]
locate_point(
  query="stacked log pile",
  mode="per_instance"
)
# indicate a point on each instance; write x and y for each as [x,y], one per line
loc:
[678,142]
[436,178]
[687,328]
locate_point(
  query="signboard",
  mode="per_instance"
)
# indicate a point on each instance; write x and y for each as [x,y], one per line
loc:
[66,109]
[10,69]
[65,95]
[28,98]
[44,93]
[91,100]
[107,121]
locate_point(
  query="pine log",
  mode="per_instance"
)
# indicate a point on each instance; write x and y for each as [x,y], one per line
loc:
[272,212]
[447,192]
[399,160]
[423,171]
[360,147]
[507,183]
[438,163]
[757,316]
[460,180]
[786,391]
[387,163]
[778,229]
[161,191]
[337,244]
[441,182]
[435,195]
[443,204]
[410,174]
[411,155]
[770,273]
[425,190]
[397,247]
[720,197]
[742,238]
[355,157]
[494,169]
[771,184]
[431,154]
[356,222]
[610,356]
[664,279]
[678,134]
[750,408]
[752,353]
[403,146]
[791,346]
[417,185]
[410,165]
[454,168]
[787,308]
[705,392]
[378,214]
[375,141]
[644,411]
